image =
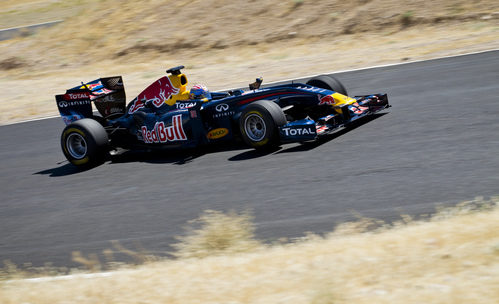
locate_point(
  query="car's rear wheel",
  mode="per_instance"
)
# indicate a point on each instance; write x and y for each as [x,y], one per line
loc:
[84,142]
[329,83]
[259,124]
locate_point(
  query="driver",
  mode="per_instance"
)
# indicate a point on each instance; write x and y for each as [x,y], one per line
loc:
[199,92]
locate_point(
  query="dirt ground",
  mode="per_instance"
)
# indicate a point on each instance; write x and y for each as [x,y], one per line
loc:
[223,44]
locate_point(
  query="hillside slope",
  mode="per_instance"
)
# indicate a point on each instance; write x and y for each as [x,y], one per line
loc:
[112,29]
[215,38]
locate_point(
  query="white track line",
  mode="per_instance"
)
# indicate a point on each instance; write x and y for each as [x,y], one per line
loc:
[69,277]
[31,25]
[65,277]
[309,76]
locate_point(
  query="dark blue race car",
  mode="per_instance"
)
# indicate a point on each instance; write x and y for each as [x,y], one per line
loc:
[167,115]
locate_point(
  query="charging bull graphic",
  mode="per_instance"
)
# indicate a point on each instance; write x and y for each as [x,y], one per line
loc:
[157,93]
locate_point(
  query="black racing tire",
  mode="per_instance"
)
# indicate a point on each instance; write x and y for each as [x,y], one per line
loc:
[259,124]
[329,83]
[84,142]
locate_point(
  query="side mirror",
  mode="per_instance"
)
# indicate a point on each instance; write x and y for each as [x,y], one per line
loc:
[256,85]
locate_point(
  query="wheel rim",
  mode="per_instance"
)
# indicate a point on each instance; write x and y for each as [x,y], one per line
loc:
[255,127]
[77,146]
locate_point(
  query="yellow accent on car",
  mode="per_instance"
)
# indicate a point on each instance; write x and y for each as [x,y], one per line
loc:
[180,82]
[217,133]
[341,100]
[80,161]
[66,134]
[257,143]
[74,161]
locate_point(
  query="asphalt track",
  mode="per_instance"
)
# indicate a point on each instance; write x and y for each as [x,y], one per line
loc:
[439,143]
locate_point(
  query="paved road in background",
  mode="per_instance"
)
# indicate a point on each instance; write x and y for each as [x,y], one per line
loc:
[439,143]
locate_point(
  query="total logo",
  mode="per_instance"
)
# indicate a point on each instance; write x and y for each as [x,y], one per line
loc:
[217,133]
[73,96]
[185,105]
[162,134]
[298,131]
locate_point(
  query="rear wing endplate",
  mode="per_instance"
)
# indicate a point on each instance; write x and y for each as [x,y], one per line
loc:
[108,95]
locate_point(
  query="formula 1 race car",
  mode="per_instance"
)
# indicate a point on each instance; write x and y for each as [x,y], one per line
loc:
[167,115]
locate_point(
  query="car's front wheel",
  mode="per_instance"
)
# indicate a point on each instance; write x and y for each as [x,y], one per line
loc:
[329,83]
[84,142]
[259,124]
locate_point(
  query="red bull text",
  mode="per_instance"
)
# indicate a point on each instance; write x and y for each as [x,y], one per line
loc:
[162,134]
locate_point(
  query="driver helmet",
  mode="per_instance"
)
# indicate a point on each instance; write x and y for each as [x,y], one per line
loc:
[199,91]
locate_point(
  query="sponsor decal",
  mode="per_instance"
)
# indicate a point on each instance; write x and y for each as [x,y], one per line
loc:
[298,131]
[73,96]
[327,100]
[70,118]
[162,134]
[112,110]
[157,93]
[217,133]
[329,117]
[108,98]
[223,114]
[92,86]
[357,109]
[65,104]
[184,105]
[321,129]
[222,107]
[223,111]
[137,105]
[102,91]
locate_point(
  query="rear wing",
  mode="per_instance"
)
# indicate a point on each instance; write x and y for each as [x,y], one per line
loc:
[108,95]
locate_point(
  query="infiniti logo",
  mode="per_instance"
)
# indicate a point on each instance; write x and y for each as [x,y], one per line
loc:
[222,107]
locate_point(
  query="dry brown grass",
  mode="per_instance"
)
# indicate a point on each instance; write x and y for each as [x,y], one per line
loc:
[222,43]
[216,233]
[452,258]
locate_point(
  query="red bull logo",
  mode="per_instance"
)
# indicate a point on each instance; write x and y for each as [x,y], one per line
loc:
[137,105]
[162,134]
[329,100]
[157,93]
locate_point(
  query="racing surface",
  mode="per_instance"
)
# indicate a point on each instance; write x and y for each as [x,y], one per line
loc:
[439,143]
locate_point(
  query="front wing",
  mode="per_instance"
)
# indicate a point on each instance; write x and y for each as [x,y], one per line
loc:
[308,129]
